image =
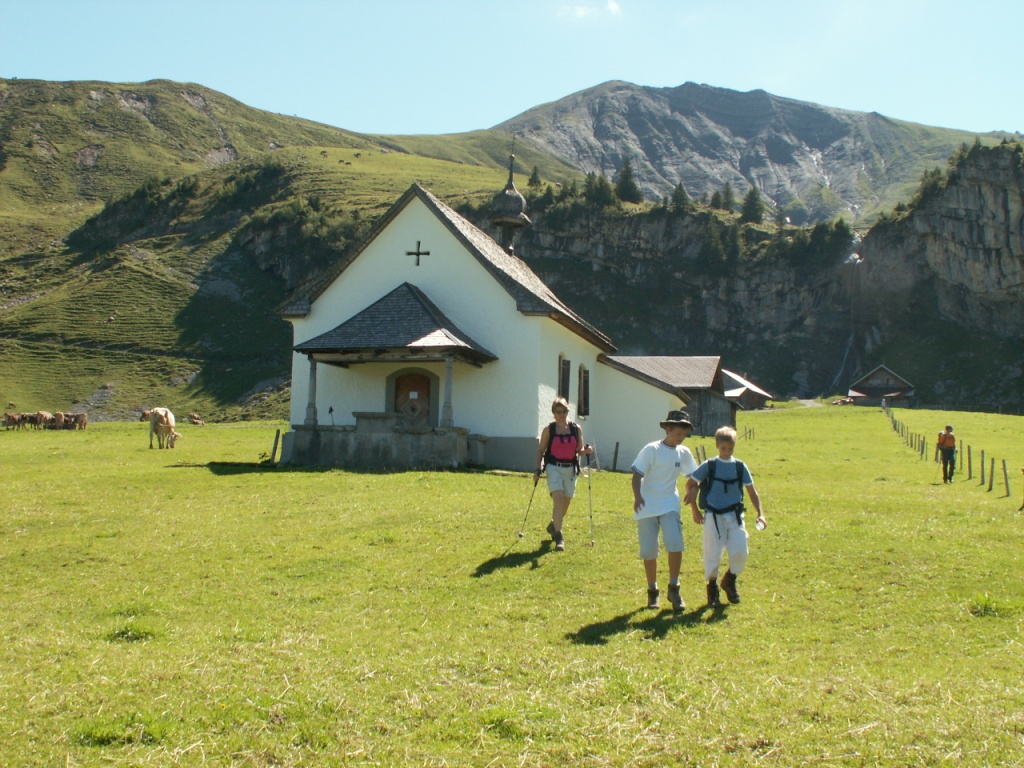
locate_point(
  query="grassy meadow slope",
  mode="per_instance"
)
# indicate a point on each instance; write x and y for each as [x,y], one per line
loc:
[148,230]
[197,608]
[168,295]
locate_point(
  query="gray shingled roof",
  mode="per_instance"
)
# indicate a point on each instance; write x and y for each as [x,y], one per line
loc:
[531,295]
[405,319]
[669,373]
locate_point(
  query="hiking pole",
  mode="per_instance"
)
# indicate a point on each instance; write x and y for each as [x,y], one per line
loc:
[530,504]
[590,498]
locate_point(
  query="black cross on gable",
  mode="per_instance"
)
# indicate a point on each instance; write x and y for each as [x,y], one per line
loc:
[417,253]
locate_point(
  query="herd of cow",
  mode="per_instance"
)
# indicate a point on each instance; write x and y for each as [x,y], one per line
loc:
[161,423]
[46,420]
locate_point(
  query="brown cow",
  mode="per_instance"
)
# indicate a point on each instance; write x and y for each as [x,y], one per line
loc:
[58,420]
[79,420]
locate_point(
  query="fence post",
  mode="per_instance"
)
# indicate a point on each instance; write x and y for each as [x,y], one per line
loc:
[982,466]
[273,451]
[970,468]
[615,456]
[992,473]
[1006,479]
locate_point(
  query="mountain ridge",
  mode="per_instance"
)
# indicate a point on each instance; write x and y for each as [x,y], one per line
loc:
[814,161]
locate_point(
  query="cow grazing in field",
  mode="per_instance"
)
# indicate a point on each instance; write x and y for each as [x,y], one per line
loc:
[58,420]
[12,420]
[78,420]
[144,416]
[161,424]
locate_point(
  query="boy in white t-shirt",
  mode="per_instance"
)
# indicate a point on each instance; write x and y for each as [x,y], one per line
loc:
[656,503]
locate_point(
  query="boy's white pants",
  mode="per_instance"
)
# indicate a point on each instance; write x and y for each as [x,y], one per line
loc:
[729,536]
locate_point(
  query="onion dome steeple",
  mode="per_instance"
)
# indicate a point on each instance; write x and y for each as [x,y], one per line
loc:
[508,210]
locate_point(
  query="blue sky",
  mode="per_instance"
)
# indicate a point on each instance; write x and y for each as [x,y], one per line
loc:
[447,66]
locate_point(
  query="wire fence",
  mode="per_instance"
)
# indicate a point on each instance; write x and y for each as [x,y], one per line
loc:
[986,471]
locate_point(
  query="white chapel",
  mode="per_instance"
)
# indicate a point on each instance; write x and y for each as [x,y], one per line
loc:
[432,346]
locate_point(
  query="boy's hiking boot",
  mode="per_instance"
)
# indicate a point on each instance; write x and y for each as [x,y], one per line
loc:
[675,598]
[713,601]
[729,587]
[652,598]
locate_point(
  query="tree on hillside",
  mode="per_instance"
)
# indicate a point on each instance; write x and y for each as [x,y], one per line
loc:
[681,202]
[598,191]
[626,187]
[728,198]
[780,219]
[568,192]
[716,200]
[534,181]
[752,211]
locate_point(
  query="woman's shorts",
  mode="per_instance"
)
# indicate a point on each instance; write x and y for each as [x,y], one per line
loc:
[671,526]
[561,479]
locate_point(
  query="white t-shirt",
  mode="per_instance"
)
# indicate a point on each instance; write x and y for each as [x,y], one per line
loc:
[660,466]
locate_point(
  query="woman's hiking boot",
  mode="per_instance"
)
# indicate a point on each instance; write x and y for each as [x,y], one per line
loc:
[557,537]
[652,598]
[729,587]
[713,601]
[675,598]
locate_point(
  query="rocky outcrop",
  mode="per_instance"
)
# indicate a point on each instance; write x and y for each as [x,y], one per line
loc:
[965,240]
[935,291]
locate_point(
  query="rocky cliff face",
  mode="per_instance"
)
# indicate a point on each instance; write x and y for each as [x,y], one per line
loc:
[813,160]
[936,292]
[646,282]
[966,240]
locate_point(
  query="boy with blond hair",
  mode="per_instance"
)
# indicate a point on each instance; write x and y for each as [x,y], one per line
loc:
[724,531]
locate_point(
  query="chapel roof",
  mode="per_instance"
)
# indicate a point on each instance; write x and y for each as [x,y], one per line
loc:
[531,294]
[672,374]
[405,319]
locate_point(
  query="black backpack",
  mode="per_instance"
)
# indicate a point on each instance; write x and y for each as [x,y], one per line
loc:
[707,483]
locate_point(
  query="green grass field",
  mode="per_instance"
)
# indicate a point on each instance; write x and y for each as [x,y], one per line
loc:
[195,607]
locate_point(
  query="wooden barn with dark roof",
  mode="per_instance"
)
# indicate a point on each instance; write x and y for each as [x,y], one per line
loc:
[697,380]
[882,383]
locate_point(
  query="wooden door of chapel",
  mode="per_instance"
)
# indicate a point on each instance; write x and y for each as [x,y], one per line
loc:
[412,398]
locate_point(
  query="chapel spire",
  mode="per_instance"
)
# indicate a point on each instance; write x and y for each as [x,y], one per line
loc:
[508,209]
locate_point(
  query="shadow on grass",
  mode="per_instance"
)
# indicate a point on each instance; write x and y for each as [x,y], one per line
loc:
[248,467]
[509,559]
[655,626]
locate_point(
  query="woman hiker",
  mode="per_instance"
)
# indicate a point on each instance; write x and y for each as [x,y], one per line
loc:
[558,450]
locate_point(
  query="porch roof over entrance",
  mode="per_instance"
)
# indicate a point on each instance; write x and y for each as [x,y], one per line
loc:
[403,325]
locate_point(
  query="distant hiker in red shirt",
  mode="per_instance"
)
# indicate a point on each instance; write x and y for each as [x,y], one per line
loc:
[946,446]
[558,450]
